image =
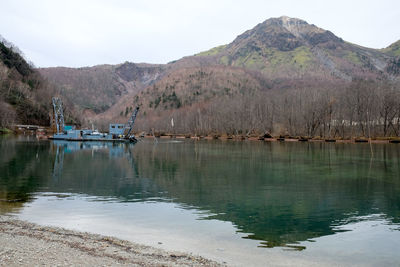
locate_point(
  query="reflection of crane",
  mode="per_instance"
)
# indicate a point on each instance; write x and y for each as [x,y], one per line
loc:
[116,150]
[129,125]
[58,114]
[132,161]
[58,163]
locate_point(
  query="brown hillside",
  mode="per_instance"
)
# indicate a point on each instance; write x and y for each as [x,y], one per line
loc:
[96,89]
[24,95]
[284,76]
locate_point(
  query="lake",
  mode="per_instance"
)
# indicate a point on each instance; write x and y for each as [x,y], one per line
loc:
[245,203]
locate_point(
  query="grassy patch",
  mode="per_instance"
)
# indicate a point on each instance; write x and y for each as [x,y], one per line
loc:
[212,51]
[225,60]
[273,58]
[354,58]
[393,49]
[253,60]
[301,56]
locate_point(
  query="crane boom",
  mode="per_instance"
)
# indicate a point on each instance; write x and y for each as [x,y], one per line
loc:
[131,122]
[58,114]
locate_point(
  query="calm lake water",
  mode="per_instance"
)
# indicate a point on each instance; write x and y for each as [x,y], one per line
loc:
[244,203]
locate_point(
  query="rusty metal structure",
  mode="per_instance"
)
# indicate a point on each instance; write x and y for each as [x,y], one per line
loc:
[58,114]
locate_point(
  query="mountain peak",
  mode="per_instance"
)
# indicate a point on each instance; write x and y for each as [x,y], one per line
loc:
[285,20]
[286,34]
[298,27]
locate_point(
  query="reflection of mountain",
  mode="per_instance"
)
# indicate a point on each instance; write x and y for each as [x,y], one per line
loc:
[279,193]
[276,193]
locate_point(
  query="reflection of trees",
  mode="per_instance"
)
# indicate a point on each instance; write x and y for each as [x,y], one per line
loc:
[280,193]
[24,167]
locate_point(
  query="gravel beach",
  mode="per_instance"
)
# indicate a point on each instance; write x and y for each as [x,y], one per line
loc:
[27,244]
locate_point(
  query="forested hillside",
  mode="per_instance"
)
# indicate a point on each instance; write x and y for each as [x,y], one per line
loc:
[24,95]
[336,109]
[283,77]
[93,90]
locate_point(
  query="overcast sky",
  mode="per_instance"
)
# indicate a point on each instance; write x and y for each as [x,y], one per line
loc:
[78,33]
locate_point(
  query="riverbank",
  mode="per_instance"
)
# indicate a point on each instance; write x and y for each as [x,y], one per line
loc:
[379,140]
[44,132]
[27,244]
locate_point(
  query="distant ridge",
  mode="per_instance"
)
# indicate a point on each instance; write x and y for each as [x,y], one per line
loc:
[278,55]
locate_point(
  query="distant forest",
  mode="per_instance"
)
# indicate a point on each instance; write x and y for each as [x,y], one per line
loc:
[362,108]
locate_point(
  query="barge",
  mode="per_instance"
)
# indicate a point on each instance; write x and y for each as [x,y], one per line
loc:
[117,132]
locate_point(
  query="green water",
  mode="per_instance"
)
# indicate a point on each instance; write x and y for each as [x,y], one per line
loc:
[280,195]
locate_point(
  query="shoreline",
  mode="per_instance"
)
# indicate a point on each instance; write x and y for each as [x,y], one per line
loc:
[27,244]
[42,132]
[379,140]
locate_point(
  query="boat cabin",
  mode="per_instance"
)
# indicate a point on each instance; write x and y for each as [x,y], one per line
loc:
[117,129]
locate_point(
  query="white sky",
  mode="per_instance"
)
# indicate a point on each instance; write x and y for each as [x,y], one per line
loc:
[78,33]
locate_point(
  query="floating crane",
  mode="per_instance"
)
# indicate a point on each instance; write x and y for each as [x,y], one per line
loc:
[117,132]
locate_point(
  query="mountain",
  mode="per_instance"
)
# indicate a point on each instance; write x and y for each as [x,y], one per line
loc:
[96,89]
[286,47]
[241,87]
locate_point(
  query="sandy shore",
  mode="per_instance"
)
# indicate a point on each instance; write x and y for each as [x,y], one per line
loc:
[27,244]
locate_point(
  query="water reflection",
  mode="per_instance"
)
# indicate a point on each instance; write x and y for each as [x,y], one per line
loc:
[105,170]
[114,150]
[278,193]
[24,166]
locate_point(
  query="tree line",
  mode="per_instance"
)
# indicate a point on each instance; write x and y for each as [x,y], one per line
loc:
[362,108]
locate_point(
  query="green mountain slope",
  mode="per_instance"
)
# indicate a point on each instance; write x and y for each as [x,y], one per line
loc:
[286,47]
[393,49]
